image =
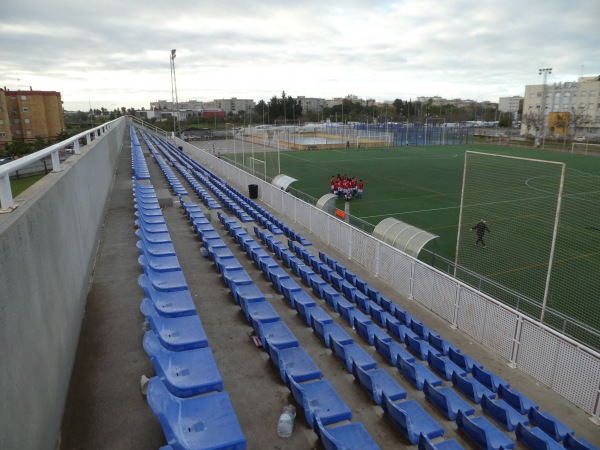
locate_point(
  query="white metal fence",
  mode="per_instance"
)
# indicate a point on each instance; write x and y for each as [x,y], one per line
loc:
[557,361]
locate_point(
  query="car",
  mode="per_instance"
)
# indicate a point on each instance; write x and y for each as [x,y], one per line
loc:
[579,139]
[5,160]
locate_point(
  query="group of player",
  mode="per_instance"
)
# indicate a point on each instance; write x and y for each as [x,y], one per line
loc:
[347,187]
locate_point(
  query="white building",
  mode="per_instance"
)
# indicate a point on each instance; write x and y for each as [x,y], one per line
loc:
[511,105]
[581,97]
[234,105]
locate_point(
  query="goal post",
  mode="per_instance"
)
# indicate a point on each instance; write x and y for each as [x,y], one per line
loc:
[257,167]
[519,200]
[585,148]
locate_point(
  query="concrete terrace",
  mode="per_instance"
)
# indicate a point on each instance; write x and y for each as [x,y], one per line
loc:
[105,408]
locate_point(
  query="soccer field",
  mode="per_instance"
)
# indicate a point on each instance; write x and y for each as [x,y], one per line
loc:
[422,186]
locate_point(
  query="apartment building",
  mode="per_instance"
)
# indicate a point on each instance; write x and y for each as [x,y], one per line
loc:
[511,105]
[27,114]
[234,105]
[580,98]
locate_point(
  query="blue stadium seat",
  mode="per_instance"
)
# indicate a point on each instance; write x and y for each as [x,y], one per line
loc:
[483,432]
[464,361]
[203,422]
[294,363]
[445,367]
[259,312]
[503,413]
[167,263]
[303,303]
[426,444]
[472,388]
[349,436]
[351,354]
[175,333]
[185,373]
[549,424]
[447,400]
[577,443]
[488,379]
[412,419]
[420,347]
[317,317]
[168,304]
[515,399]
[277,335]
[391,351]
[332,332]
[378,382]
[536,439]
[417,374]
[320,401]
[441,344]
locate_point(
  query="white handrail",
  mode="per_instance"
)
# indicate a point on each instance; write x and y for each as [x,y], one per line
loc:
[6,198]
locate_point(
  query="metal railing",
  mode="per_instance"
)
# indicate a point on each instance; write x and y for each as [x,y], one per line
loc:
[7,203]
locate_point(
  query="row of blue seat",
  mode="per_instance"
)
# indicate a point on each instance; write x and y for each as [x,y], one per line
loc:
[248,206]
[188,386]
[512,409]
[408,415]
[293,362]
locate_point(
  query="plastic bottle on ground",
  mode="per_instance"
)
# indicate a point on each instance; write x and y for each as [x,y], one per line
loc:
[285,425]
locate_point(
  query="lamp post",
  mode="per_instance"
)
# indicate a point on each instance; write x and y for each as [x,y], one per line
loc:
[545,73]
[233,135]
[174,99]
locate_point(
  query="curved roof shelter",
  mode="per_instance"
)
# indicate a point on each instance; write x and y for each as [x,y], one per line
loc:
[327,203]
[283,181]
[402,236]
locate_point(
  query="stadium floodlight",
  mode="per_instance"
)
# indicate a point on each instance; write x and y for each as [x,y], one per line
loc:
[174,100]
[544,72]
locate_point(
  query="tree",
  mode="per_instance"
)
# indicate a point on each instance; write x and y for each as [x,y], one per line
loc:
[16,149]
[579,118]
[533,120]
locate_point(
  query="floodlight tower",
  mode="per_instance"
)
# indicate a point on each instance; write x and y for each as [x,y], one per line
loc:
[545,73]
[174,99]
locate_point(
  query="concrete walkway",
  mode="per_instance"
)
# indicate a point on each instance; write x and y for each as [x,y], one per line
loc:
[105,407]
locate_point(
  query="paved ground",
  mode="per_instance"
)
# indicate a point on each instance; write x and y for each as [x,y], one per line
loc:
[105,408]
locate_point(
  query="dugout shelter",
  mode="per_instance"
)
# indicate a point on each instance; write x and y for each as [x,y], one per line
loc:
[403,236]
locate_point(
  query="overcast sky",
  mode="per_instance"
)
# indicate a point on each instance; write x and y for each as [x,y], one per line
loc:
[115,53]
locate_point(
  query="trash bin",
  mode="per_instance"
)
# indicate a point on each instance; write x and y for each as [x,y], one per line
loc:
[253,190]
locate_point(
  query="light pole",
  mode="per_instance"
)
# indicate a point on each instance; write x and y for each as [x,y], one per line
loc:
[545,73]
[233,134]
[174,99]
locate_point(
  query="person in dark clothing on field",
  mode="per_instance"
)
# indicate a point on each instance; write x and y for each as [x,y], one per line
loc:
[480,228]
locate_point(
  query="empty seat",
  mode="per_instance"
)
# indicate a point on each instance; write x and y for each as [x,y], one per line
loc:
[441,344]
[417,373]
[320,401]
[488,378]
[391,351]
[536,439]
[294,363]
[464,361]
[351,354]
[515,399]
[333,332]
[175,333]
[259,312]
[317,317]
[349,436]
[203,422]
[168,304]
[549,424]
[447,400]
[303,303]
[412,419]
[276,334]
[503,413]
[444,366]
[483,432]
[420,347]
[378,382]
[471,388]
[577,443]
[426,444]
[185,373]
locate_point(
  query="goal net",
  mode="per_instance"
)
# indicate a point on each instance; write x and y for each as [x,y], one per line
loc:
[257,167]
[585,148]
[519,199]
